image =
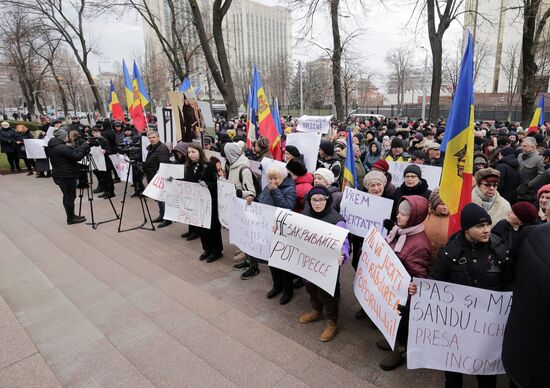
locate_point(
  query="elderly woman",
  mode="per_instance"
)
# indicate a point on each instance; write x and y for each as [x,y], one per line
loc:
[485,194]
[280,192]
[522,214]
[543,197]
[436,224]
[320,208]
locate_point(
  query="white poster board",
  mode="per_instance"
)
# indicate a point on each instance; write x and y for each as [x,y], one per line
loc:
[362,210]
[48,135]
[308,145]
[144,144]
[99,158]
[307,247]
[255,167]
[226,194]
[315,124]
[156,189]
[34,148]
[432,174]
[206,114]
[188,203]
[457,328]
[122,165]
[250,227]
[380,284]
[265,166]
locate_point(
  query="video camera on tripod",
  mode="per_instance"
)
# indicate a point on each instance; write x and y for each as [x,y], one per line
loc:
[131,148]
[92,141]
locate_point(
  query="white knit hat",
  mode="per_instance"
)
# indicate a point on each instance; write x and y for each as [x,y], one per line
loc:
[326,174]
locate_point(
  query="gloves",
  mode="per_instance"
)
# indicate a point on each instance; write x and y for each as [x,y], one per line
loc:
[203,184]
[239,193]
[388,224]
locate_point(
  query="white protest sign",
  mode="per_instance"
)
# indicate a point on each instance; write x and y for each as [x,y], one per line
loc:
[316,124]
[307,247]
[457,328]
[188,203]
[144,144]
[362,210]
[167,170]
[432,174]
[122,167]
[308,145]
[250,227]
[48,135]
[156,189]
[380,284]
[35,148]
[99,158]
[226,193]
[266,163]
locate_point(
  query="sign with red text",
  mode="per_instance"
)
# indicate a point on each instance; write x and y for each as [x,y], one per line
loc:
[188,203]
[457,328]
[122,167]
[362,210]
[381,284]
[156,189]
[307,247]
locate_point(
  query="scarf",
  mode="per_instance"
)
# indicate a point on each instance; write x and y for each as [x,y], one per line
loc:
[486,202]
[403,234]
[542,215]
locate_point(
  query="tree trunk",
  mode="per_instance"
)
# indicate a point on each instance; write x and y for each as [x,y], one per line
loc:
[437,53]
[529,66]
[60,89]
[336,60]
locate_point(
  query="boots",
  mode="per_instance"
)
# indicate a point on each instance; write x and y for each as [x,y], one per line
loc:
[394,359]
[312,316]
[330,331]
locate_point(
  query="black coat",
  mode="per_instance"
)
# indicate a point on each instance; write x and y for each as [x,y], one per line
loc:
[64,158]
[157,154]
[526,344]
[208,173]
[486,266]
[420,189]
[510,236]
[509,178]
[7,140]
[110,135]
[20,136]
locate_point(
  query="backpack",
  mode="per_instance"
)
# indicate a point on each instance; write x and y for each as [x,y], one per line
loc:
[257,185]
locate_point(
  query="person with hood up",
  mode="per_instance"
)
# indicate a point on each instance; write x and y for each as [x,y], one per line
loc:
[436,224]
[485,194]
[328,159]
[303,181]
[413,184]
[413,248]
[508,166]
[522,214]
[280,192]
[261,148]
[320,208]
[374,154]
[543,197]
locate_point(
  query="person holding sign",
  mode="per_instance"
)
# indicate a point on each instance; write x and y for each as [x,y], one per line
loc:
[320,207]
[157,153]
[412,246]
[22,133]
[473,257]
[200,170]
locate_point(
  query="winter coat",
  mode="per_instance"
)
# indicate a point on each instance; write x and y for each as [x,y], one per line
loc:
[481,265]
[389,189]
[509,177]
[498,211]
[336,195]
[7,140]
[207,173]
[436,228]
[420,189]
[157,154]
[64,158]
[284,196]
[531,168]
[246,188]
[360,172]
[416,253]
[332,164]
[371,158]
[403,157]
[19,137]
[506,232]
[304,184]
[526,343]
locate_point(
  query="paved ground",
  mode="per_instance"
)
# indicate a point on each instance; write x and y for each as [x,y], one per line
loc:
[84,307]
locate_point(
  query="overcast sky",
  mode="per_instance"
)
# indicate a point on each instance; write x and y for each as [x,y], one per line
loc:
[382,27]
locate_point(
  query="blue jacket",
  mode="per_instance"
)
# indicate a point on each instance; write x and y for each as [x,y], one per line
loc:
[283,196]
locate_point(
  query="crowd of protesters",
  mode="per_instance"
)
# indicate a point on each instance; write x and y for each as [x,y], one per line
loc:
[509,209]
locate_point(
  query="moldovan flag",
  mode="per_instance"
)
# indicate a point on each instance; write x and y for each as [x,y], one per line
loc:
[267,125]
[143,95]
[458,143]
[350,174]
[114,105]
[251,126]
[538,117]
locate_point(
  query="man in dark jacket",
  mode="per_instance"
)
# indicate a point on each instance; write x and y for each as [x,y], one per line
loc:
[157,153]
[531,169]
[327,159]
[526,343]
[104,178]
[64,159]
[508,166]
[8,145]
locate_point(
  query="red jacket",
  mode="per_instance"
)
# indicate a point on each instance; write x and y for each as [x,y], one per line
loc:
[304,184]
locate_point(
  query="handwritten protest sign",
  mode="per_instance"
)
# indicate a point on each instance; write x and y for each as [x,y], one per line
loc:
[48,135]
[308,145]
[99,158]
[188,203]
[315,124]
[226,193]
[122,165]
[432,174]
[34,148]
[307,247]
[362,210]
[250,227]
[176,171]
[156,189]
[381,284]
[266,163]
[457,328]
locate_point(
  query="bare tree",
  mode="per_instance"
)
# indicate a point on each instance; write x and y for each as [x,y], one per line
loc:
[510,68]
[399,62]
[351,77]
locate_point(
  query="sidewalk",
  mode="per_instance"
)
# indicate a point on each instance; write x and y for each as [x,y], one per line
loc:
[99,308]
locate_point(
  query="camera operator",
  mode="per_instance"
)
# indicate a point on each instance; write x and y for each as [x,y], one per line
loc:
[64,159]
[158,153]
[104,178]
[130,146]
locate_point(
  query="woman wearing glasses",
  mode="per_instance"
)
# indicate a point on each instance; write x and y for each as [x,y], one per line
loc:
[485,194]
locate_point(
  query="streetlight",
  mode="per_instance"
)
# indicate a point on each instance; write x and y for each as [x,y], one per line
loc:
[424,83]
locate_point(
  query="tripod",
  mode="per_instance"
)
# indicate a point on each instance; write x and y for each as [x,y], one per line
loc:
[142,201]
[90,164]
